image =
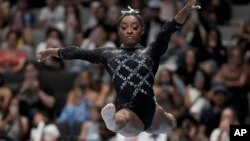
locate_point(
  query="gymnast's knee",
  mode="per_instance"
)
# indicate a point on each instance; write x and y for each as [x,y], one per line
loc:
[121,120]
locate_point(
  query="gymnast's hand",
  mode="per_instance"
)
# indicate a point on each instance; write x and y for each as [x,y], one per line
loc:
[182,15]
[52,47]
[191,5]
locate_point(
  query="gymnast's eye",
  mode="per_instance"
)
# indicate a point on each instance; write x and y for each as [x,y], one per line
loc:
[135,26]
[123,27]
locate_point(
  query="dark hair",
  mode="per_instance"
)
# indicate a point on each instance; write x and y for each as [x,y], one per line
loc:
[17,33]
[138,16]
[218,33]
[1,80]
[35,64]
[50,30]
[76,10]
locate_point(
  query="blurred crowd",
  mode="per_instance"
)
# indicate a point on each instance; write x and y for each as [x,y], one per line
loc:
[201,81]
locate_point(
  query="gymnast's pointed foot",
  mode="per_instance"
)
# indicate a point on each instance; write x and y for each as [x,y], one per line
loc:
[108,115]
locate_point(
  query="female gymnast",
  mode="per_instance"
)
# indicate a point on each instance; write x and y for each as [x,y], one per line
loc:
[132,68]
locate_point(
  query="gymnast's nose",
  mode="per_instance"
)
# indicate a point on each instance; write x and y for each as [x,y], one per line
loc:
[129,31]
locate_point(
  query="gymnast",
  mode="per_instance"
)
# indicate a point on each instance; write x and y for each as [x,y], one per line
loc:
[132,68]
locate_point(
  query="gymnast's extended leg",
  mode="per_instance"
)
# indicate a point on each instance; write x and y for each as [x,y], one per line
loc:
[163,122]
[124,121]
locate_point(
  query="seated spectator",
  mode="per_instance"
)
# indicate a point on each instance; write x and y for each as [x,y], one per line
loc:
[176,49]
[234,76]
[210,117]
[76,66]
[194,101]
[169,9]
[27,17]
[90,130]
[12,57]
[5,99]
[33,95]
[4,14]
[52,15]
[106,95]
[13,126]
[72,23]
[97,38]
[80,99]
[43,129]
[242,35]
[213,49]
[228,118]
[1,80]
[218,11]
[188,66]
[22,20]
[152,22]
[187,130]
[53,37]
[166,93]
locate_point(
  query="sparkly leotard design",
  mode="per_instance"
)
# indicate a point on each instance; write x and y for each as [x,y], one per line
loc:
[132,70]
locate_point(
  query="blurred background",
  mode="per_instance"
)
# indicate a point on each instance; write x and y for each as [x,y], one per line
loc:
[203,77]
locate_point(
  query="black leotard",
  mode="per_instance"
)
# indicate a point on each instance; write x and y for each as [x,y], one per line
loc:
[132,70]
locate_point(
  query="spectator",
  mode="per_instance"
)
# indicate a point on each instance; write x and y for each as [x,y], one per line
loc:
[51,15]
[188,66]
[176,49]
[187,130]
[234,76]
[210,117]
[13,126]
[43,129]
[98,37]
[22,20]
[4,14]
[1,80]
[101,14]
[72,23]
[53,37]
[12,57]
[242,35]
[219,11]
[228,118]
[78,103]
[166,93]
[152,22]
[33,95]
[169,9]
[5,99]
[194,100]
[88,13]
[91,129]
[213,50]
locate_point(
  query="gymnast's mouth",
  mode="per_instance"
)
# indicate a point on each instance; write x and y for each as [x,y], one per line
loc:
[130,37]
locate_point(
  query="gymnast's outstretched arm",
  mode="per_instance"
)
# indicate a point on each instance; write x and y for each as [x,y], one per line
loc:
[73,52]
[159,46]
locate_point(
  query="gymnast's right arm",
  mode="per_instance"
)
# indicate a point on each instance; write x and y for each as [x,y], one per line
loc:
[73,52]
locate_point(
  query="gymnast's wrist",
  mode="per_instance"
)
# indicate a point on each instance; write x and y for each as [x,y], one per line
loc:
[54,52]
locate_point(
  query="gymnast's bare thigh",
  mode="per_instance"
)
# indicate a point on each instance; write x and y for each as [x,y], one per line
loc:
[162,122]
[134,125]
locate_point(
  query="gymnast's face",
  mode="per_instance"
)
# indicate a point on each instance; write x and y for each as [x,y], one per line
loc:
[130,30]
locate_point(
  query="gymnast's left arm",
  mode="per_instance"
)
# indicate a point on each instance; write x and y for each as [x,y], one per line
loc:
[160,45]
[73,52]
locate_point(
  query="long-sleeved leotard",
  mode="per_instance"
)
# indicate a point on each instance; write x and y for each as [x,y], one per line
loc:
[132,70]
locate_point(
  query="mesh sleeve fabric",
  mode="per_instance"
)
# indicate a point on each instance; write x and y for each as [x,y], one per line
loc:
[94,56]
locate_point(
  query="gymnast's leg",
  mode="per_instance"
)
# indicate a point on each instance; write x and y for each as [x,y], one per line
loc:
[124,121]
[163,122]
